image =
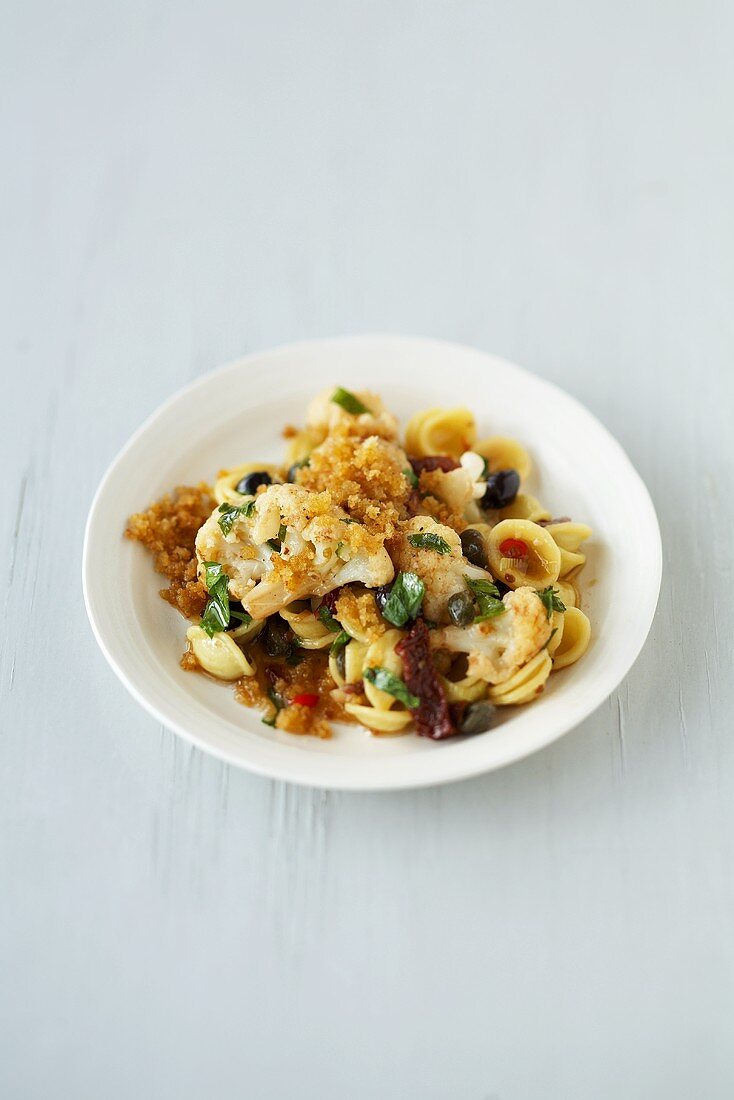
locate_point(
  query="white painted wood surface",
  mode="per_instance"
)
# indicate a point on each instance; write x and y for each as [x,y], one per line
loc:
[184,183]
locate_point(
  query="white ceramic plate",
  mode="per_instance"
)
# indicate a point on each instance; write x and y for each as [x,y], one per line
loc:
[237,414]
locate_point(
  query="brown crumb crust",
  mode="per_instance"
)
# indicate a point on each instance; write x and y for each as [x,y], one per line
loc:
[168,530]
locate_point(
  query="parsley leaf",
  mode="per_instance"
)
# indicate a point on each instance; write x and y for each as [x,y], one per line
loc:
[405,599]
[384,680]
[428,540]
[216,613]
[550,600]
[488,599]
[339,642]
[278,702]
[412,477]
[348,401]
[230,512]
[326,617]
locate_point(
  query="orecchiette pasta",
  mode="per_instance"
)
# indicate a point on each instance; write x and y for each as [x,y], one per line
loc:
[525,684]
[440,432]
[503,453]
[575,640]
[218,655]
[522,553]
[423,566]
[310,631]
[225,491]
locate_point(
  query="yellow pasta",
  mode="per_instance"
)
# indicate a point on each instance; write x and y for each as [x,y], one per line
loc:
[310,631]
[567,593]
[440,432]
[523,553]
[380,721]
[557,625]
[219,655]
[225,491]
[466,690]
[524,506]
[525,684]
[575,640]
[300,445]
[503,453]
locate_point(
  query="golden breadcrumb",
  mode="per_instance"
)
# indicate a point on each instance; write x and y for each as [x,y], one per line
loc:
[168,530]
[358,613]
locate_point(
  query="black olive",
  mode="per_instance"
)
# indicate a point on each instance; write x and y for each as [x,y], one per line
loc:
[460,607]
[473,548]
[250,483]
[382,595]
[341,660]
[478,717]
[502,588]
[502,488]
[278,637]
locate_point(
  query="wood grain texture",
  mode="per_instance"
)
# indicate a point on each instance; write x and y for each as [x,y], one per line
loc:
[188,183]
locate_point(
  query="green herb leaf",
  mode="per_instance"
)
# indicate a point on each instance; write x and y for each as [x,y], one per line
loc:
[488,599]
[230,512]
[278,702]
[216,613]
[339,642]
[485,469]
[405,599]
[412,477]
[326,617]
[350,521]
[348,401]
[240,616]
[385,680]
[551,600]
[428,540]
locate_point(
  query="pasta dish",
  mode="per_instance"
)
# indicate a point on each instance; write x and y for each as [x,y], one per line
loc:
[404,584]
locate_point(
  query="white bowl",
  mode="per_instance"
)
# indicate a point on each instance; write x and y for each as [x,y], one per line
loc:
[236,414]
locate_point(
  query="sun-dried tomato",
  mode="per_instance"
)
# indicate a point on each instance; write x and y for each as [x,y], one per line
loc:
[432,717]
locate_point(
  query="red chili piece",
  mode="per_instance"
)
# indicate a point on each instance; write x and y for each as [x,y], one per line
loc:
[514,548]
[306,699]
[433,462]
[432,716]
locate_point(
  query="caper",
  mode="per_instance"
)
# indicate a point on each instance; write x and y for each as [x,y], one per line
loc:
[460,607]
[473,548]
[478,717]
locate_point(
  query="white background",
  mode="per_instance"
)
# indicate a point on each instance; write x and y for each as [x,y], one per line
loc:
[184,183]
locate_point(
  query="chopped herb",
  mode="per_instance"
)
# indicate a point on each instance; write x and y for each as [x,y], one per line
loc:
[412,477]
[230,512]
[488,599]
[278,702]
[550,639]
[405,599]
[326,617]
[295,655]
[277,543]
[427,540]
[384,680]
[551,600]
[241,617]
[339,547]
[485,469]
[350,521]
[339,642]
[216,613]
[348,401]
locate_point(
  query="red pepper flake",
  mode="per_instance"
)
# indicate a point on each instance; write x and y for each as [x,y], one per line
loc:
[306,699]
[514,548]
[433,462]
[432,716]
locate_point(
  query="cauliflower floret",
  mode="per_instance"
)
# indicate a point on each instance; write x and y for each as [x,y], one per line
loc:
[442,574]
[502,644]
[294,545]
[324,414]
